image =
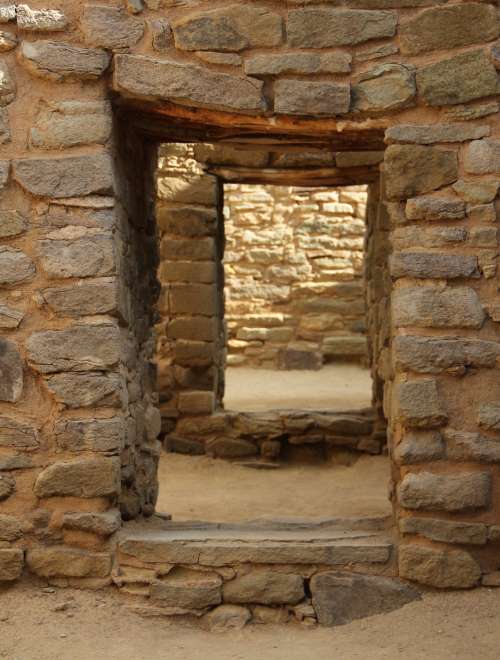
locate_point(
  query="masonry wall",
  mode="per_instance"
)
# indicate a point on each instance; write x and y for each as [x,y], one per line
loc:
[294,293]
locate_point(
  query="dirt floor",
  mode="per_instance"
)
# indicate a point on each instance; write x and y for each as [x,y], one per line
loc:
[75,625]
[202,488]
[334,386]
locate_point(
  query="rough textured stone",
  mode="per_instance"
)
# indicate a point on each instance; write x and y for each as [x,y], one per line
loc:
[40,20]
[414,170]
[225,59]
[186,220]
[227,617]
[419,447]
[11,564]
[7,486]
[15,266]
[10,528]
[436,354]
[426,265]
[7,13]
[431,207]
[339,598]
[14,433]
[110,27]
[192,590]
[8,41]
[7,86]
[326,28]
[299,63]
[186,84]
[433,237]
[12,223]
[456,492]
[102,524]
[448,27]
[71,123]
[420,405]
[5,132]
[232,28]
[87,390]
[385,88]
[83,477]
[231,447]
[62,61]
[431,133]
[85,256]
[483,157]
[78,348]
[457,80]
[16,462]
[297,97]
[477,192]
[265,588]
[489,416]
[11,372]
[60,561]
[99,435]
[98,296]
[72,176]
[445,531]
[444,569]
[437,308]
[10,318]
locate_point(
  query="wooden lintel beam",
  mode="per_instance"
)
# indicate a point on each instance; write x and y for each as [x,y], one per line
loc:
[325,176]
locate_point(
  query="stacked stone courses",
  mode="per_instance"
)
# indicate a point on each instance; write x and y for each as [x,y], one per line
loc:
[87,89]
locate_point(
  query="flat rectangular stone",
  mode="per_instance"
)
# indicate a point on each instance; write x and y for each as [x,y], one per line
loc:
[483,157]
[298,63]
[426,307]
[432,133]
[419,404]
[431,492]
[297,97]
[429,265]
[445,531]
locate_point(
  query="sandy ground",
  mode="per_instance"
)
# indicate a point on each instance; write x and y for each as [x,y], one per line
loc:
[334,386]
[99,626]
[201,488]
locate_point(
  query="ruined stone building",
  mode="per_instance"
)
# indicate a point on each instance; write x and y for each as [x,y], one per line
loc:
[115,253]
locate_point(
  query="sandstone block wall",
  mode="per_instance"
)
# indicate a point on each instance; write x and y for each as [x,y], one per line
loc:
[294,293]
[78,247]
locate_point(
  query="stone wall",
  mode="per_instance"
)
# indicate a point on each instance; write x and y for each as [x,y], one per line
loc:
[294,266]
[78,421]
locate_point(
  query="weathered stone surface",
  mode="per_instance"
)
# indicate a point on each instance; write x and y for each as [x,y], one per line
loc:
[7,13]
[72,176]
[419,447]
[192,590]
[483,157]
[339,598]
[471,112]
[11,372]
[444,569]
[413,170]
[431,265]
[458,79]
[265,588]
[299,63]
[89,255]
[78,348]
[7,486]
[98,296]
[196,402]
[448,27]
[40,20]
[110,27]
[227,617]
[358,158]
[12,223]
[99,435]
[489,416]
[10,528]
[433,237]
[186,84]
[16,462]
[384,88]
[83,477]
[456,492]
[15,266]
[437,308]
[86,390]
[433,355]
[187,189]
[445,531]
[15,434]
[419,404]
[11,564]
[60,61]
[232,28]
[5,132]
[161,34]
[226,59]
[188,221]
[297,97]
[231,447]
[102,524]
[10,318]
[431,133]
[8,41]
[72,123]
[431,207]
[7,86]
[60,561]
[201,328]
[326,28]
[477,192]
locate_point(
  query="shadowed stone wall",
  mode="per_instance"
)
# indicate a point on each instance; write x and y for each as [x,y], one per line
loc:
[78,420]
